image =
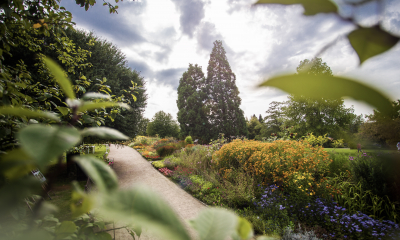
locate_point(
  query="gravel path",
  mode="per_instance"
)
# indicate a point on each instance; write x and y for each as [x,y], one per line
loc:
[131,169]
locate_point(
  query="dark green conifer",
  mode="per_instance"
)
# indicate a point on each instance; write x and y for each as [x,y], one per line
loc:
[223,101]
[191,97]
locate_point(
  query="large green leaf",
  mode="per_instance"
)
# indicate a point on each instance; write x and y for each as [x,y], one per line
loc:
[65,229]
[81,202]
[311,7]
[101,174]
[330,87]
[142,207]
[244,229]
[59,76]
[45,143]
[88,106]
[104,132]
[24,112]
[215,224]
[16,164]
[369,42]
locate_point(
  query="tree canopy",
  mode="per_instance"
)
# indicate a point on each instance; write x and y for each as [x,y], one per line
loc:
[320,116]
[164,125]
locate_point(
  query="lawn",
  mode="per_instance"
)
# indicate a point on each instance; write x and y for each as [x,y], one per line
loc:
[354,152]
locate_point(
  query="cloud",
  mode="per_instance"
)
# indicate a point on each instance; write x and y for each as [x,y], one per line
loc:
[192,12]
[206,36]
[98,19]
[170,76]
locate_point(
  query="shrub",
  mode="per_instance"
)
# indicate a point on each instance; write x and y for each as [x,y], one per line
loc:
[340,163]
[158,164]
[281,162]
[205,185]
[166,150]
[189,140]
[237,189]
[376,173]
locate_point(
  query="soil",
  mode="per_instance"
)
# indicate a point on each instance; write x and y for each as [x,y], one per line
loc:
[132,169]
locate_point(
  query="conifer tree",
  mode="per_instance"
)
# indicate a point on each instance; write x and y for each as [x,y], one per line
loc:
[191,115]
[223,101]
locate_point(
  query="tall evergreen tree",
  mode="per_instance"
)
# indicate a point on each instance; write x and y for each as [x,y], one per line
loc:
[260,119]
[191,115]
[225,115]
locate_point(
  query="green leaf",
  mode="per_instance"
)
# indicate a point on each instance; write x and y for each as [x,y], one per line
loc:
[244,229]
[95,95]
[81,202]
[215,224]
[16,164]
[104,132]
[101,174]
[88,106]
[65,229]
[143,207]
[369,42]
[311,7]
[59,76]
[44,143]
[63,110]
[330,87]
[24,112]
[103,236]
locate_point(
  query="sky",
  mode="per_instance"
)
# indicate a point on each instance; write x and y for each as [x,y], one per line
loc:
[161,37]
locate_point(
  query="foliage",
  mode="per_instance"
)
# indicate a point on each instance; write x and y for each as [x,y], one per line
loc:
[163,125]
[223,112]
[321,115]
[192,115]
[108,62]
[254,128]
[382,128]
[316,141]
[281,162]
[51,142]
[166,150]
[189,140]
[376,174]
[158,164]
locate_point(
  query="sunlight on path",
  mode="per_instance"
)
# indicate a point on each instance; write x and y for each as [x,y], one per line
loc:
[131,169]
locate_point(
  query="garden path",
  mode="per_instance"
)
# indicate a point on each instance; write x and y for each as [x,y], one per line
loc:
[131,169]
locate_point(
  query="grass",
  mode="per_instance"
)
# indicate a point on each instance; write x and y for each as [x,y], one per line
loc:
[61,196]
[354,152]
[61,189]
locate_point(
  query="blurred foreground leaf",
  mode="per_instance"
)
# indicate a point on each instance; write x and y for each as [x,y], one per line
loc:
[142,207]
[59,76]
[81,202]
[101,174]
[369,42]
[244,228]
[104,132]
[95,95]
[24,112]
[215,224]
[65,229]
[16,164]
[45,143]
[88,106]
[311,7]
[330,87]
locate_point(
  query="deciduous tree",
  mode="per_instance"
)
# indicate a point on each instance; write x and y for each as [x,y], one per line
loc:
[164,125]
